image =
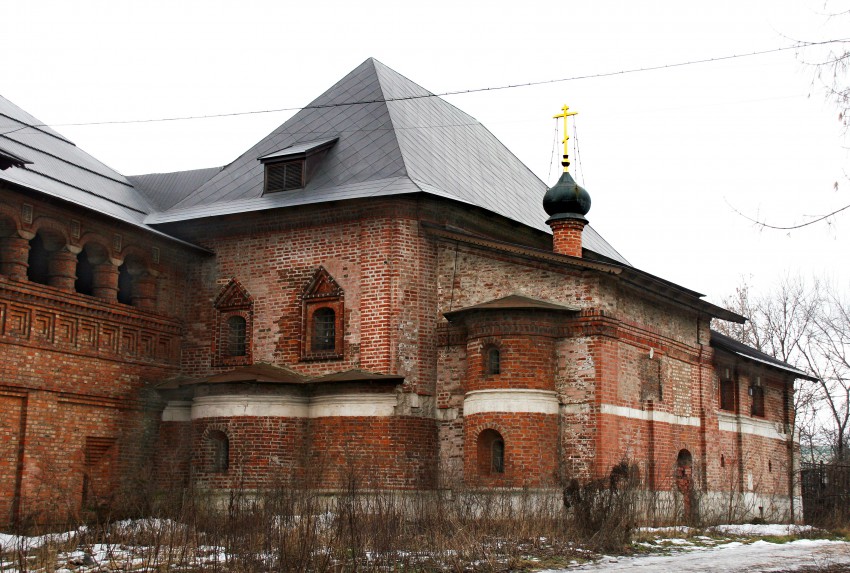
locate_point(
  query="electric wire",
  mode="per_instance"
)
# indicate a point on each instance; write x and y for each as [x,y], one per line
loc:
[796,46]
[552,156]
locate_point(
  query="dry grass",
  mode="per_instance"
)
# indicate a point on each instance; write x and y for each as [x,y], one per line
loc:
[296,529]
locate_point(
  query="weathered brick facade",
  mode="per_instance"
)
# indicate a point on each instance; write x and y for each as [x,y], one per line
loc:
[405,341]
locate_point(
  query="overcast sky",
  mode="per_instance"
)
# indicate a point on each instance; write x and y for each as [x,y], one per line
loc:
[666,155]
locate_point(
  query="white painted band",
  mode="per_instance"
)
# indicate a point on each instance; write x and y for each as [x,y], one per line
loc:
[510,400]
[649,415]
[230,406]
[344,405]
[177,411]
[375,405]
[752,426]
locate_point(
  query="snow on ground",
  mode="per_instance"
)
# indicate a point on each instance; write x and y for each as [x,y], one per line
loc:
[759,556]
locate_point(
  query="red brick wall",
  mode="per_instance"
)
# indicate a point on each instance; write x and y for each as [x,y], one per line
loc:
[390,452]
[531,449]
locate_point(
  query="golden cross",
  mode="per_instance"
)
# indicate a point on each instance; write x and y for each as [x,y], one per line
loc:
[566,113]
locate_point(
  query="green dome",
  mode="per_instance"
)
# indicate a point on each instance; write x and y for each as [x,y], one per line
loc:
[566,199]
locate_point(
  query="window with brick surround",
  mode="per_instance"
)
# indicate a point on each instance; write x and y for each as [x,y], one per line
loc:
[322,318]
[493,360]
[491,453]
[727,395]
[232,344]
[757,393]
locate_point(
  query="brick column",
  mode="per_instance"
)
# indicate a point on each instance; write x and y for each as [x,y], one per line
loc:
[566,235]
[14,252]
[144,292]
[105,281]
[62,269]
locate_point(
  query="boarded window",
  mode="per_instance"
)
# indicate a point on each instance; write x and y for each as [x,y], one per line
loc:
[650,379]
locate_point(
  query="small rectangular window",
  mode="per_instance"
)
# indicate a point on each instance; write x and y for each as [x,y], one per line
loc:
[758,401]
[727,395]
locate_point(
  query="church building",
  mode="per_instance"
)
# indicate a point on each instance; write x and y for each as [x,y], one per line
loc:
[377,290]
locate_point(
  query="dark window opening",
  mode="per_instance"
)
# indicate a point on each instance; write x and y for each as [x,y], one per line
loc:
[236,336]
[758,400]
[494,365]
[220,460]
[727,395]
[491,453]
[722,461]
[324,330]
[769,466]
[125,285]
[85,275]
[38,261]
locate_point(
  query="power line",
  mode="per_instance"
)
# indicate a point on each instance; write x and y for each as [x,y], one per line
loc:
[460,92]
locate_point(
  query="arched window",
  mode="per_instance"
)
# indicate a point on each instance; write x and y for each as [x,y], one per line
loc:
[236,336]
[324,330]
[491,453]
[232,336]
[322,325]
[494,363]
[219,451]
[684,461]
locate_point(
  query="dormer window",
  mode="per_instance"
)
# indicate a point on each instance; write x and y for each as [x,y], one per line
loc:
[284,176]
[292,167]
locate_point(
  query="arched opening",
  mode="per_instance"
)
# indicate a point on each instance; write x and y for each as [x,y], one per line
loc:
[494,361]
[38,261]
[219,460]
[43,250]
[134,283]
[491,453]
[236,344]
[684,482]
[722,461]
[125,284]
[87,277]
[324,330]
[684,462]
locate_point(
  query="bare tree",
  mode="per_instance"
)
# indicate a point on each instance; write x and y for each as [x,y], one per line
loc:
[806,325]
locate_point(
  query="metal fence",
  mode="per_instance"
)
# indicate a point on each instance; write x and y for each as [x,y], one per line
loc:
[826,493]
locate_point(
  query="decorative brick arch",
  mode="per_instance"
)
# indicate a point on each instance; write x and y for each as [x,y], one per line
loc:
[229,347]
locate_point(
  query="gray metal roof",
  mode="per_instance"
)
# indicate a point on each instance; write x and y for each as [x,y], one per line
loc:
[61,169]
[299,148]
[163,190]
[394,137]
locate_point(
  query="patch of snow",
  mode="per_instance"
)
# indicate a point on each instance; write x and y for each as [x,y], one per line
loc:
[732,557]
[763,529]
